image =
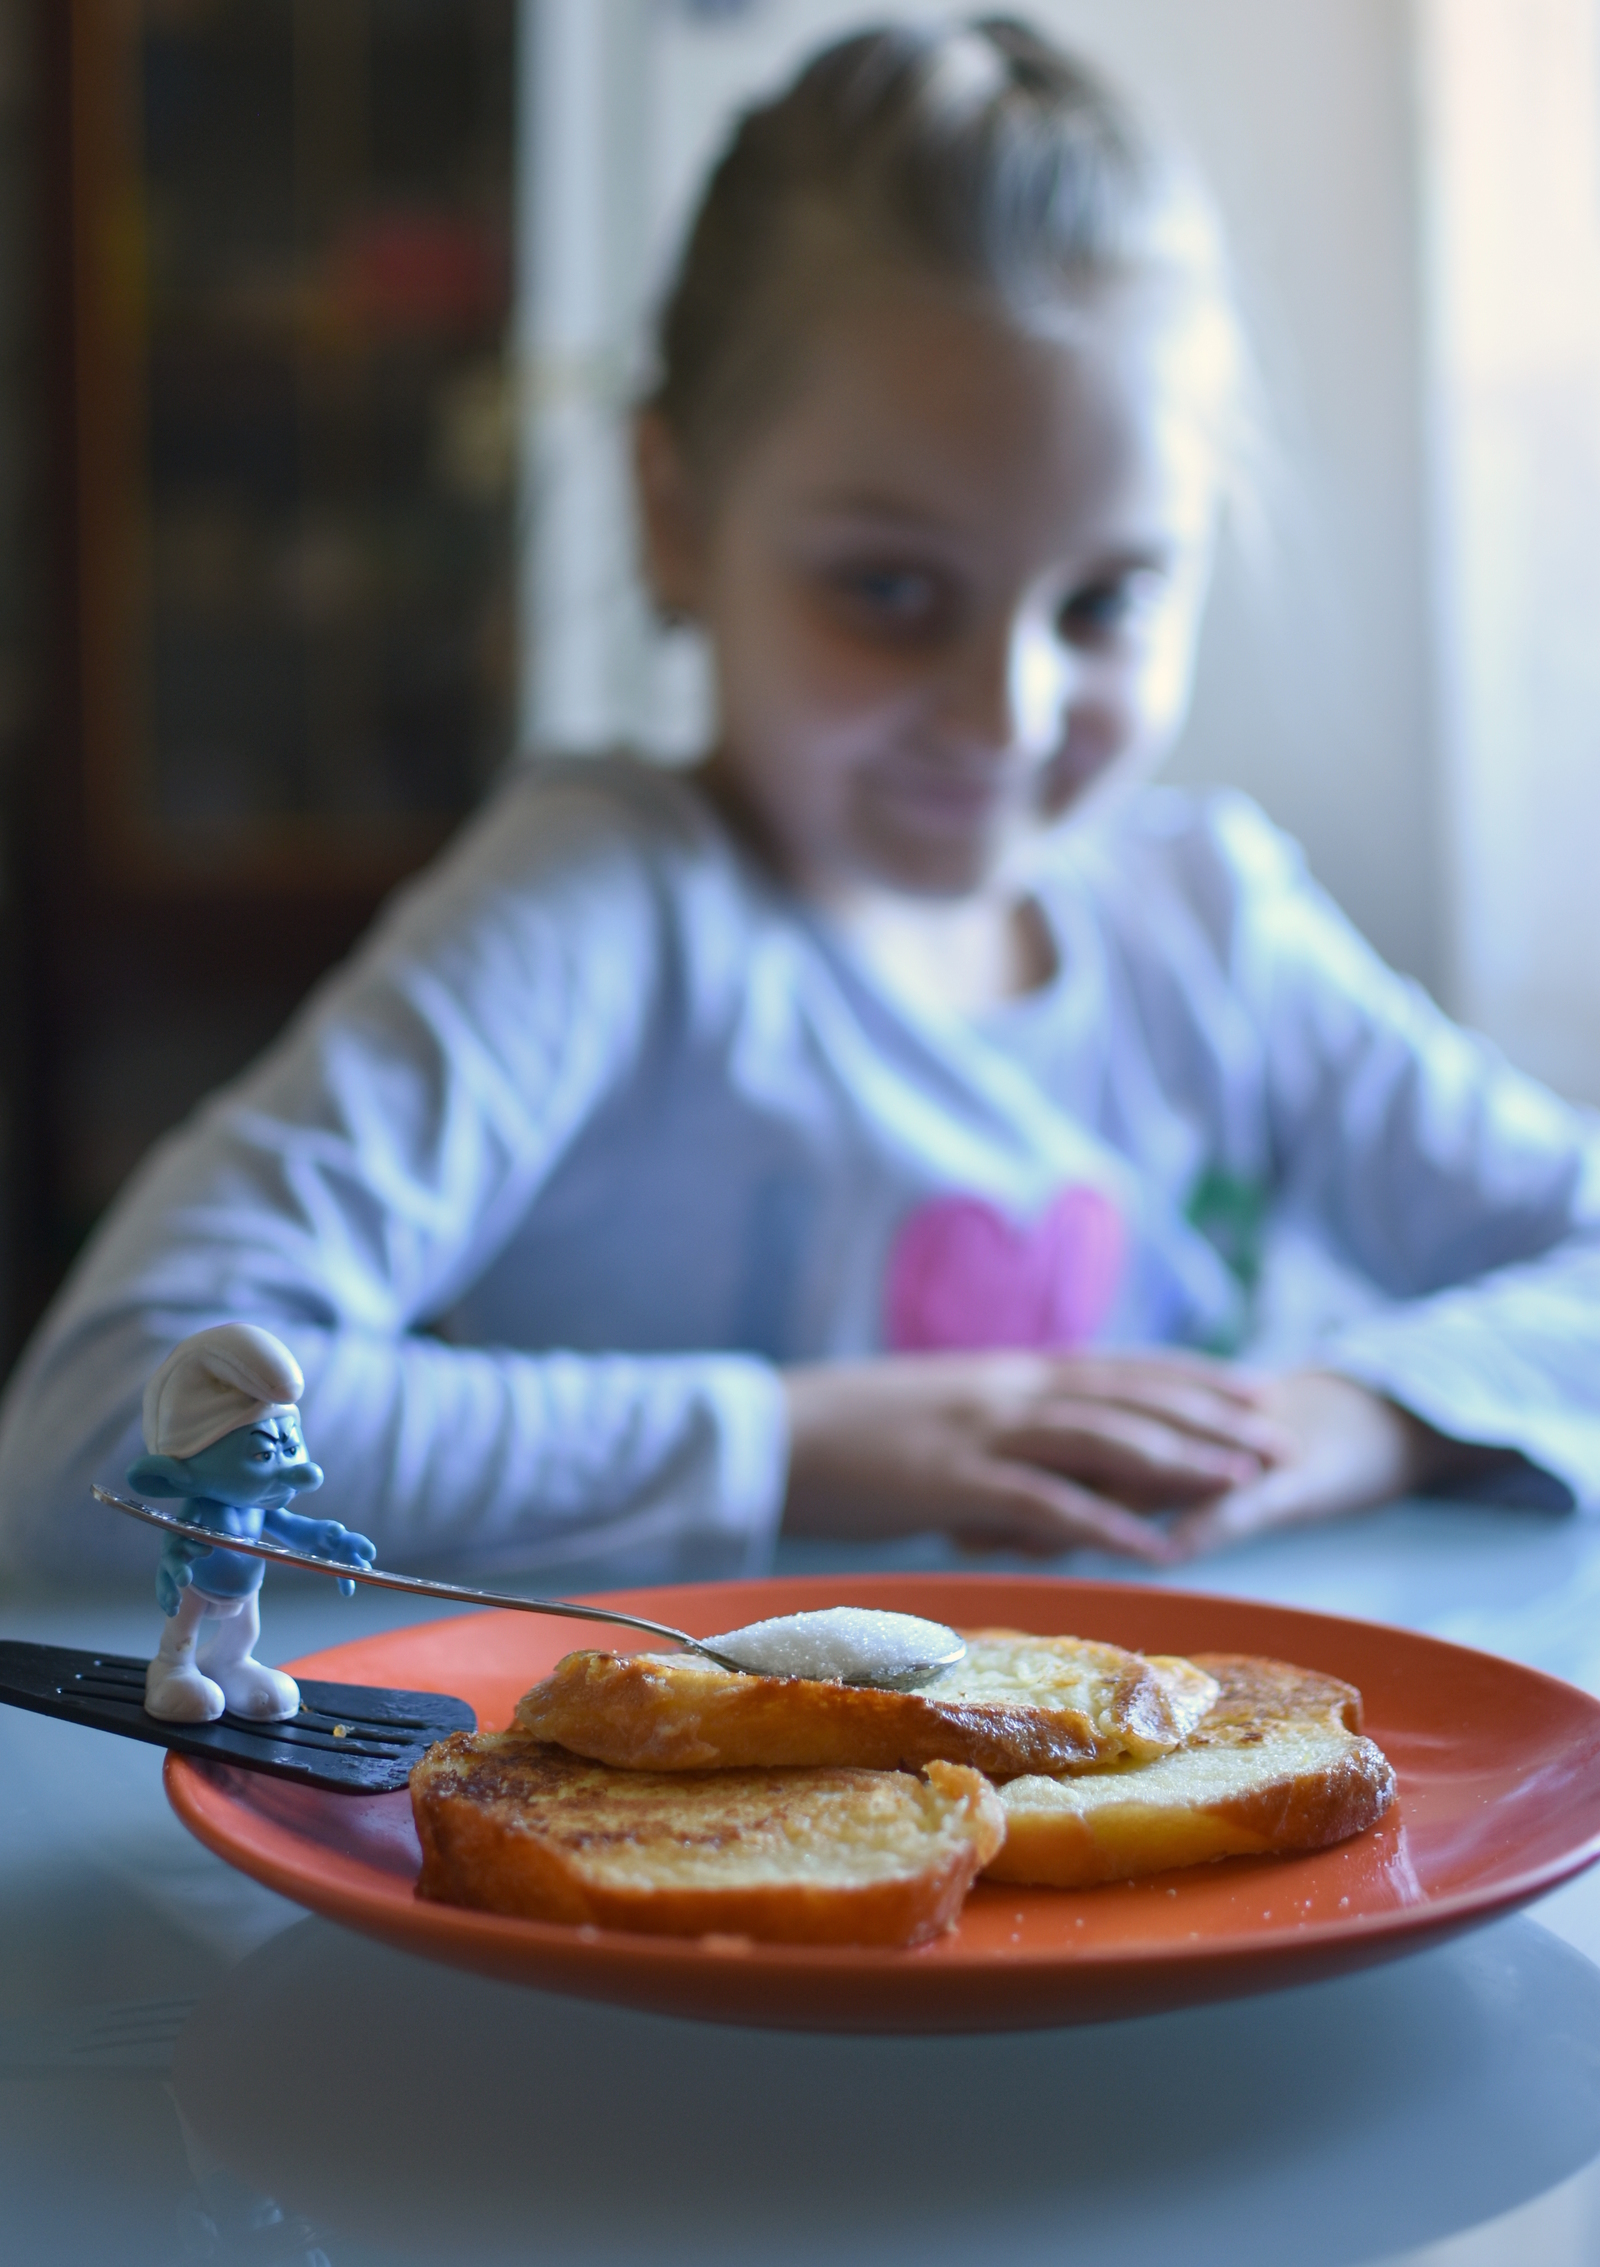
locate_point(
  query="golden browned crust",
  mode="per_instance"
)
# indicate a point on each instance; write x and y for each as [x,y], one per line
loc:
[1277,1765]
[511,1825]
[1018,1704]
[1254,1693]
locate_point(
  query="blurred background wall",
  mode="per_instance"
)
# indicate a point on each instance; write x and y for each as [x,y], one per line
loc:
[318,323]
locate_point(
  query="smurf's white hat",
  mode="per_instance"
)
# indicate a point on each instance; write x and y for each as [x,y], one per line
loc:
[214,1382]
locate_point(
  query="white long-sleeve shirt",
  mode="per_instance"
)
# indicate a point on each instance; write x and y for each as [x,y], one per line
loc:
[599,1127]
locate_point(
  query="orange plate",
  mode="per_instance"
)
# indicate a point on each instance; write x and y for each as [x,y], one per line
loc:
[1499,1771]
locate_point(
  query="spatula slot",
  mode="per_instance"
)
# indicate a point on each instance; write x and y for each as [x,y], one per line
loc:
[352,1739]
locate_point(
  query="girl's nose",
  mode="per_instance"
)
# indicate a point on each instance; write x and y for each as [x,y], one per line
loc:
[1008,690]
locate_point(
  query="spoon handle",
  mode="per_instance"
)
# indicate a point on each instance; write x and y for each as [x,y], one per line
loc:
[281,1555]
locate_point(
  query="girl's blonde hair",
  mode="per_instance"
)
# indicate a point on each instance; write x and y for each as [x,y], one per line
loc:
[980,154]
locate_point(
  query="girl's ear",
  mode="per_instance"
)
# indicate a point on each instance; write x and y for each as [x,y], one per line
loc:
[669,517]
[159,1476]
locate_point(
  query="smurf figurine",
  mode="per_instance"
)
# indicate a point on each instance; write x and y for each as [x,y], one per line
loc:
[223,1431]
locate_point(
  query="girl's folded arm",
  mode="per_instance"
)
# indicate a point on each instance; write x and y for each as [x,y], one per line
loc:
[349,1188]
[1465,1191]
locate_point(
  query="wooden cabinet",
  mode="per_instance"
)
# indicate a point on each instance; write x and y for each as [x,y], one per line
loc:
[285,462]
[292,282]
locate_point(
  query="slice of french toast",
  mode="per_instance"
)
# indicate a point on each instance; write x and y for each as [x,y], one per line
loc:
[511,1825]
[1016,1704]
[1277,1764]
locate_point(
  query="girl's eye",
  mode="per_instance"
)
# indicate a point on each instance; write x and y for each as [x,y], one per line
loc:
[897,597]
[1100,610]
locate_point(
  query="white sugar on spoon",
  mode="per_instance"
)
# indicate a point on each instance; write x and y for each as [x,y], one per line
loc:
[851,1645]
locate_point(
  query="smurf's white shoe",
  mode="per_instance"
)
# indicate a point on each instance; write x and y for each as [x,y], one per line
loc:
[266,1695]
[177,1693]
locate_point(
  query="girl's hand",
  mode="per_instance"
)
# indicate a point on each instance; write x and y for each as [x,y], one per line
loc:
[1032,1452]
[1351,1449]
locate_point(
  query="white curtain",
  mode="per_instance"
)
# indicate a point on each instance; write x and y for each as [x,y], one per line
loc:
[1512,204]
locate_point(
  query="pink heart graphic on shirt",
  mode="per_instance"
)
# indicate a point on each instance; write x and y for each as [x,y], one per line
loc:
[962,1275]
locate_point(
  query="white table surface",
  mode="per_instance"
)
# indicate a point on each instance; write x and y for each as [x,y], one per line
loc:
[374,2110]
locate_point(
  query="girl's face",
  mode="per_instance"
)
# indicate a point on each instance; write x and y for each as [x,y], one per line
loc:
[951,586]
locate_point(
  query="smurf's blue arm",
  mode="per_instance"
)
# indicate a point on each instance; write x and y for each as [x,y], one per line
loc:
[328,1538]
[173,1570]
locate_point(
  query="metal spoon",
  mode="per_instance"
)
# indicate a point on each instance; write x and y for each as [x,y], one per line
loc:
[944,1648]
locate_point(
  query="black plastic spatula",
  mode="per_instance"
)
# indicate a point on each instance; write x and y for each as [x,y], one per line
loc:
[354,1739]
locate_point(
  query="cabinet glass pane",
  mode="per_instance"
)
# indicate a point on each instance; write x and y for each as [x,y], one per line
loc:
[313,291]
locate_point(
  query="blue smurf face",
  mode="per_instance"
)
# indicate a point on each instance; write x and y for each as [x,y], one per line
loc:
[262,1464]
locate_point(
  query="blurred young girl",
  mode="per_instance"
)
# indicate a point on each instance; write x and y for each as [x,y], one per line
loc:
[830,1135]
